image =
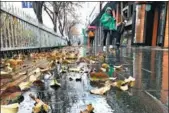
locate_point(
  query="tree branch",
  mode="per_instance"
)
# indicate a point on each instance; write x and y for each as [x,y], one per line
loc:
[47,8]
[52,18]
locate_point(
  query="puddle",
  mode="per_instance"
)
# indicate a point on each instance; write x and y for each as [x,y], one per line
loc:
[148,95]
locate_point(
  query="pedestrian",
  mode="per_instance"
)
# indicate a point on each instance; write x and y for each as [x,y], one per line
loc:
[91,36]
[109,26]
[79,42]
[120,30]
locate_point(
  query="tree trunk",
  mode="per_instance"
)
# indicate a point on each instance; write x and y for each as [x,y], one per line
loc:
[60,27]
[55,24]
[37,7]
[55,16]
[55,28]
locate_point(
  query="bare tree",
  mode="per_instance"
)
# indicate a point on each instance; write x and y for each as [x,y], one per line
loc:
[53,13]
[70,28]
[37,7]
[70,25]
[67,11]
[59,13]
[62,18]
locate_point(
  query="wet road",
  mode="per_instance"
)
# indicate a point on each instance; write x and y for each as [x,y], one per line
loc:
[72,97]
[150,94]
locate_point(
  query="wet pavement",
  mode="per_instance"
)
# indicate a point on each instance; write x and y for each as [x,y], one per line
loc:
[150,94]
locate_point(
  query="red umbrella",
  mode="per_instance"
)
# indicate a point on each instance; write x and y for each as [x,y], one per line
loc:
[91,27]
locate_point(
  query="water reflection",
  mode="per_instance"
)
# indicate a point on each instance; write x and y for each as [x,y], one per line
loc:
[150,68]
[150,94]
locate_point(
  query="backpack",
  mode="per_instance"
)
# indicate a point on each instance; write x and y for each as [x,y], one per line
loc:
[120,28]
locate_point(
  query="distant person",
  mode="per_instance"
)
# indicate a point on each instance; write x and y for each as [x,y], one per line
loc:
[109,26]
[68,41]
[91,36]
[120,30]
[79,43]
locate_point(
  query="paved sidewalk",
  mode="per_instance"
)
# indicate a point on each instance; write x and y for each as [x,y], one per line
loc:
[150,68]
[150,94]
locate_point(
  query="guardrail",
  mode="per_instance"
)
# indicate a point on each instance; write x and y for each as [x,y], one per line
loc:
[20,31]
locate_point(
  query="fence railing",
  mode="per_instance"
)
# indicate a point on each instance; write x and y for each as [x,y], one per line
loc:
[20,31]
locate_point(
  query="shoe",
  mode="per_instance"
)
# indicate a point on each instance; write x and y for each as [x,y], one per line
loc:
[104,48]
[111,46]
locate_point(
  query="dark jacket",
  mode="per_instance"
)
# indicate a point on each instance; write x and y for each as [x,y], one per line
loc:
[120,28]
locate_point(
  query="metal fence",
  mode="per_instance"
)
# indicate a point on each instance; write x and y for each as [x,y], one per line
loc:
[20,31]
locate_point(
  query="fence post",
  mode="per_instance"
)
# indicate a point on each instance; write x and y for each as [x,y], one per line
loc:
[39,37]
[100,31]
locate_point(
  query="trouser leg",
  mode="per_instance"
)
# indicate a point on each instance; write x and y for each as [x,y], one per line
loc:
[118,38]
[112,37]
[105,36]
[92,40]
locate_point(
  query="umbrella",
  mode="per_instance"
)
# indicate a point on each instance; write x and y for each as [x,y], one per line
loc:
[91,27]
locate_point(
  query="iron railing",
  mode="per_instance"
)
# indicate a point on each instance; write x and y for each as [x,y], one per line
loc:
[20,31]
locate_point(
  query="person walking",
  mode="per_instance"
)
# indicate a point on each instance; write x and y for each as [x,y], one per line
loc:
[91,36]
[120,30]
[109,26]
